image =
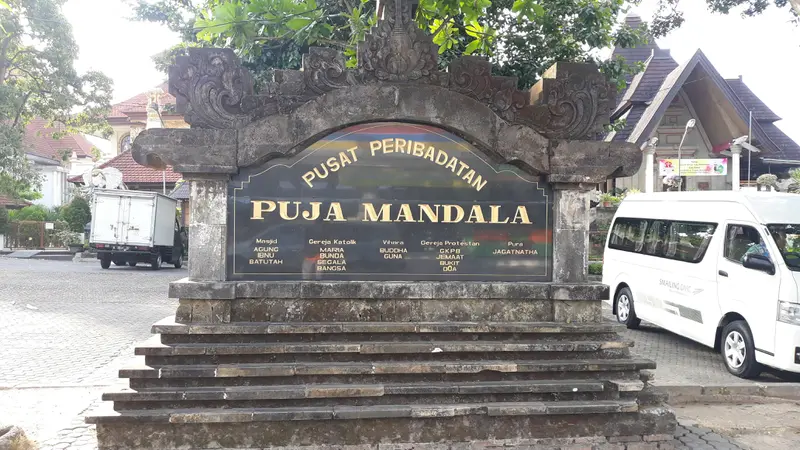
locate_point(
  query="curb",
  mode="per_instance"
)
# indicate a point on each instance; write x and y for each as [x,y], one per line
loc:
[730,393]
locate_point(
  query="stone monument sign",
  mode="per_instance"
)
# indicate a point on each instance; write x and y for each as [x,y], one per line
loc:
[386,257]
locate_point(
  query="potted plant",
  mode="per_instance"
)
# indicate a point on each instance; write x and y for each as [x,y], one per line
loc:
[607,200]
[71,240]
[672,182]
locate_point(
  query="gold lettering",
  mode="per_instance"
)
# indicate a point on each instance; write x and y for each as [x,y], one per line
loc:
[522,215]
[319,175]
[430,154]
[400,145]
[314,213]
[388,145]
[333,164]
[352,152]
[307,177]
[468,176]
[374,146]
[448,213]
[426,210]
[479,183]
[463,166]
[405,215]
[439,156]
[495,216]
[419,148]
[284,210]
[335,210]
[452,164]
[475,215]
[370,215]
[259,210]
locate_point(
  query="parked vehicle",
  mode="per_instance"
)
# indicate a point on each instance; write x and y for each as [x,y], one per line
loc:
[131,227]
[721,268]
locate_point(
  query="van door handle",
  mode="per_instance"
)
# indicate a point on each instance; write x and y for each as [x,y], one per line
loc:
[723,273]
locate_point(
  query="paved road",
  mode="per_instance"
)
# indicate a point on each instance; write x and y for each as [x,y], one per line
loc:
[67,327]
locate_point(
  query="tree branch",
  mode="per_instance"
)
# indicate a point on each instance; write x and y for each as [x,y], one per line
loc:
[21,108]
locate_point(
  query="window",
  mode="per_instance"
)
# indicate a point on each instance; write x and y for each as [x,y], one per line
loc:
[741,240]
[656,236]
[688,241]
[787,238]
[628,235]
[682,241]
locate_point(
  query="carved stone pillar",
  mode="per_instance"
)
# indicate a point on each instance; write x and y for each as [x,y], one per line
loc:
[571,232]
[208,227]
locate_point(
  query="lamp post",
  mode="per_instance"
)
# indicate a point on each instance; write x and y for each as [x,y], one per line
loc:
[689,126]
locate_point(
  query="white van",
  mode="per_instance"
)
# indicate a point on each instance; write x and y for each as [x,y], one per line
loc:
[721,268]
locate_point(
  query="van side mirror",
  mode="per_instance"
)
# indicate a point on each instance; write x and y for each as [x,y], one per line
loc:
[759,262]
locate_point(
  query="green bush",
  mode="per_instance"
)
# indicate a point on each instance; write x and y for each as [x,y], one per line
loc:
[35,213]
[4,220]
[596,269]
[77,214]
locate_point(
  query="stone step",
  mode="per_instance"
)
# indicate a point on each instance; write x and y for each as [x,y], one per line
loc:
[170,327]
[316,391]
[154,347]
[236,415]
[382,368]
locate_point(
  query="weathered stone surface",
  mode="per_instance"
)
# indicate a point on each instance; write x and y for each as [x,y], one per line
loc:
[208,229]
[570,234]
[214,151]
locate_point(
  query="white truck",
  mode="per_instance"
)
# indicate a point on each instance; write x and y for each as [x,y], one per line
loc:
[130,227]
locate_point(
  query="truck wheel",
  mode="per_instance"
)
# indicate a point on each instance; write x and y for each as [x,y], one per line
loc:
[738,350]
[105,263]
[132,263]
[179,262]
[155,263]
[119,262]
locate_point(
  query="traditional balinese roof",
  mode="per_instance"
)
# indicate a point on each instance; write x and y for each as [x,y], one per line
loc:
[10,203]
[650,93]
[39,142]
[137,104]
[181,192]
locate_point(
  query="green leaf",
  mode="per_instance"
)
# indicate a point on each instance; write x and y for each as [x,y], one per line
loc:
[298,23]
[474,45]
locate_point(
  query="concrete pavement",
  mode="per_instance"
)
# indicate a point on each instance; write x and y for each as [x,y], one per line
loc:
[68,327]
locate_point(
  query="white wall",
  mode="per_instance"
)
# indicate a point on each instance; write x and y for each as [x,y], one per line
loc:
[54,186]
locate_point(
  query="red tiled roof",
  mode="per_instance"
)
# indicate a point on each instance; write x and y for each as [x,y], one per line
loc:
[40,142]
[133,172]
[138,103]
[6,201]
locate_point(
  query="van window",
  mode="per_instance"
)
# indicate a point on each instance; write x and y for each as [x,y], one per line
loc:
[688,241]
[741,240]
[628,235]
[656,236]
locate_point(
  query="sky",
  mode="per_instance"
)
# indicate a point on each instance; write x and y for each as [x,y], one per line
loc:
[764,50]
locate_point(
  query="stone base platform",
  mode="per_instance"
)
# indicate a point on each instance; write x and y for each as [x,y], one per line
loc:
[384,365]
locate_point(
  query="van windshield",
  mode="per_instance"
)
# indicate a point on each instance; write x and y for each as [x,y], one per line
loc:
[787,237]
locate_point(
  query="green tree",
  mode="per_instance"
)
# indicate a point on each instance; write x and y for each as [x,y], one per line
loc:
[37,213]
[4,220]
[38,79]
[521,37]
[76,214]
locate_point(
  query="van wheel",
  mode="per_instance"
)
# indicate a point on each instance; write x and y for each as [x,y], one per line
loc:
[155,263]
[738,350]
[179,262]
[624,306]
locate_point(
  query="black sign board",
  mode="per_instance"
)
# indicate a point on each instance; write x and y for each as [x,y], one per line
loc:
[389,201]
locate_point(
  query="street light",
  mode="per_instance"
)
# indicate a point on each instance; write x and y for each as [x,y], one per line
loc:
[689,126]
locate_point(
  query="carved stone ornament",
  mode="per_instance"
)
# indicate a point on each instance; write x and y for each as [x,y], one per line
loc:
[571,101]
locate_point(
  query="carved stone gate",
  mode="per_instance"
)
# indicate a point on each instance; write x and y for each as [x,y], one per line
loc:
[285,342]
